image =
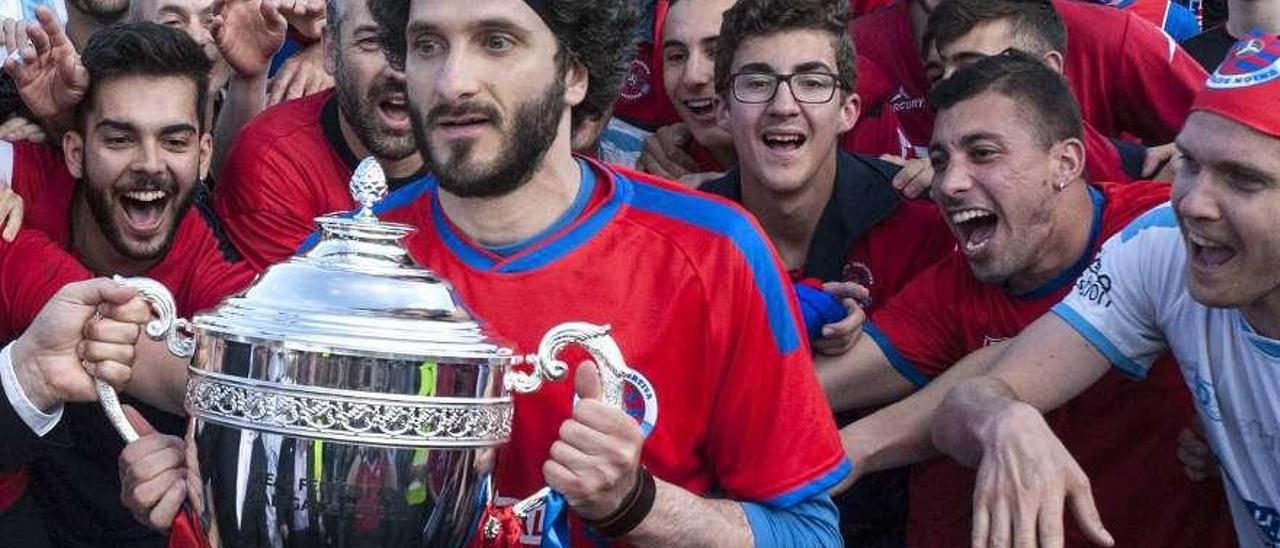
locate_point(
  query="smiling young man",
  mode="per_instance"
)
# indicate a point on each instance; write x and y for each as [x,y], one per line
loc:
[689,36]
[1195,277]
[785,72]
[292,163]
[118,199]
[1008,160]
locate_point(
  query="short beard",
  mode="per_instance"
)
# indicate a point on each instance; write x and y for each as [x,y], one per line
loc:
[102,14]
[359,112]
[100,206]
[533,130]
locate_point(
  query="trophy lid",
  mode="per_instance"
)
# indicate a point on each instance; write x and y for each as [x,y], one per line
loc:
[357,292]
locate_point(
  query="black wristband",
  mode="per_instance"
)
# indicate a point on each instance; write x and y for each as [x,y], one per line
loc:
[635,507]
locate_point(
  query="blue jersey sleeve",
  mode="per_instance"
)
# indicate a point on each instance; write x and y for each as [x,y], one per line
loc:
[813,522]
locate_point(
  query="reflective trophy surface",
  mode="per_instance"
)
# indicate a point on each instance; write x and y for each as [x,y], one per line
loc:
[348,399]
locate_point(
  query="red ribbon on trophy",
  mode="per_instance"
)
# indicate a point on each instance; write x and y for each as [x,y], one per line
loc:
[499,528]
[186,531]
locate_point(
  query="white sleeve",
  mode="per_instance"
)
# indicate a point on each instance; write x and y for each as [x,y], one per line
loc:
[38,421]
[1114,304]
[6,164]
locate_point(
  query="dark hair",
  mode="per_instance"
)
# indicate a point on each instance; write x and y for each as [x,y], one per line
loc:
[143,49]
[334,12]
[1036,26]
[598,34]
[1038,90]
[755,18]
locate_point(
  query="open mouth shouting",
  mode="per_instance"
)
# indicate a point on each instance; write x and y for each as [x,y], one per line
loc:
[144,210]
[974,227]
[1206,253]
[394,113]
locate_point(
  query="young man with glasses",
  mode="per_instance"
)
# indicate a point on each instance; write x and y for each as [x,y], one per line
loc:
[785,73]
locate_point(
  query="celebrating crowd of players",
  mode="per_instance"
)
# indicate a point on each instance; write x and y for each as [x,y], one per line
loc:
[910,272]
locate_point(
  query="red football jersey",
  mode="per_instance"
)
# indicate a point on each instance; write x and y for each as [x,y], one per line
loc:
[1124,434]
[280,175]
[878,130]
[893,252]
[1130,78]
[885,37]
[701,309]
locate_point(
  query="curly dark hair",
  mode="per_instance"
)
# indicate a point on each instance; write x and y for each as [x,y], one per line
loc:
[598,34]
[755,18]
[1040,91]
[143,49]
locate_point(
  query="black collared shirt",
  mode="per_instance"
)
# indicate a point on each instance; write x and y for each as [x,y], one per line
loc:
[863,196]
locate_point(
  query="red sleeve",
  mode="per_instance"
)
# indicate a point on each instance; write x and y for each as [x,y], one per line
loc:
[1158,82]
[918,329]
[262,203]
[772,437]
[32,269]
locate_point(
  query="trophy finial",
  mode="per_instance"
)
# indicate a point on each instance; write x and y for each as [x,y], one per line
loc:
[368,187]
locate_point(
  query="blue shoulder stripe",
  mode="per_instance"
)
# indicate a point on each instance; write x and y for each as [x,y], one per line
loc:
[1099,340]
[899,362]
[821,484]
[726,221]
[403,196]
[578,235]
[1161,216]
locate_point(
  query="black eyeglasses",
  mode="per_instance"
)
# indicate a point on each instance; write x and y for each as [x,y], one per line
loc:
[806,87]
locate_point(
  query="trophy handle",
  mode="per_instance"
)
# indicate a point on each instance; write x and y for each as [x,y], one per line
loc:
[595,339]
[166,326]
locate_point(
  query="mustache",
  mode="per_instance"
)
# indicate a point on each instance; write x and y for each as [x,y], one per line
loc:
[382,89]
[463,109]
[147,184]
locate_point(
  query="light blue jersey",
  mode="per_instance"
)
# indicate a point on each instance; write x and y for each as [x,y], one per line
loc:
[1133,305]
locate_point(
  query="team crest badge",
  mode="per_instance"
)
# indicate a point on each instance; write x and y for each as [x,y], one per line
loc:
[639,400]
[1254,60]
[636,84]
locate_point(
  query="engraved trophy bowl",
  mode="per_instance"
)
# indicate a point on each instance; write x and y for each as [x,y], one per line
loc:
[347,398]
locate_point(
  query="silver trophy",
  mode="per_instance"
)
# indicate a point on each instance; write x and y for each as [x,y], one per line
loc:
[348,399]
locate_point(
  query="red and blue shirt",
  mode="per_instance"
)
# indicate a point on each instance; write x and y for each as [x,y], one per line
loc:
[702,310]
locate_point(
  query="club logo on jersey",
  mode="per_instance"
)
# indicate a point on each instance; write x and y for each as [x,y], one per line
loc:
[860,274]
[640,401]
[904,101]
[636,84]
[1095,285]
[1254,60]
